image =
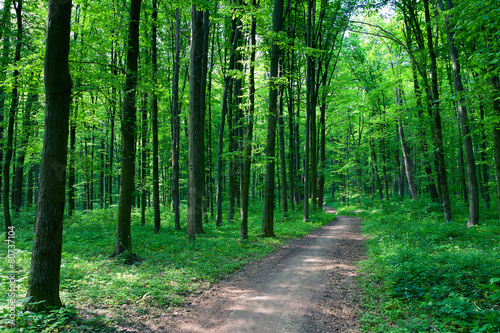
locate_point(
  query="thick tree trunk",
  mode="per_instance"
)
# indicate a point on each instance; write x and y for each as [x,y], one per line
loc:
[43,285]
[154,121]
[129,117]
[268,218]
[196,127]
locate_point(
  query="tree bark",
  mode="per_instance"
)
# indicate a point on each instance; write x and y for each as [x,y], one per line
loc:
[18,6]
[196,127]
[154,121]
[436,116]
[227,84]
[464,121]
[43,285]
[175,124]
[408,164]
[127,183]
[247,159]
[268,218]
[495,84]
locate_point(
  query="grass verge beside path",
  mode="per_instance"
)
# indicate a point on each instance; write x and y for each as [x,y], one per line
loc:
[425,275]
[170,270]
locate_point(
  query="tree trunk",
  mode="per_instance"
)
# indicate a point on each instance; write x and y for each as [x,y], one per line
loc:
[196,127]
[127,182]
[464,121]
[247,159]
[227,84]
[17,186]
[281,133]
[175,124]
[436,116]
[18,6]
[408,164]
[495,83]
[43,285]
[144,158]
[154,121]
[268,218]
[4,26]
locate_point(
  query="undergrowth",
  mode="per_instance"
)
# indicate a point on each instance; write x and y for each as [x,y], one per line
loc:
[425,275]
[169,270]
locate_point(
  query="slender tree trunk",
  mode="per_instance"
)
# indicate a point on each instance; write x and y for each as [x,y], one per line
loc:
[268,218]
[154,121]
[495,83]
[247,159]
[4,26]
[196,127]
[408,164]
[127,183]
[17,186]
[45,271]
[281,133]
[144,158]
[485,192]
[441,168]
[227,84]
[18,6]
[464,121]
[175,124]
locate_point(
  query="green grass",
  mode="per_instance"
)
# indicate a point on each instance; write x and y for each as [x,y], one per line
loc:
[170,270]
[425,275]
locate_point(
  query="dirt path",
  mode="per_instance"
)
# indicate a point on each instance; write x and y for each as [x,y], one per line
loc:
[308,286]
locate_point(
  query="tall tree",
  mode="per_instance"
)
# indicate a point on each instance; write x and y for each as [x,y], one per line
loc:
[154,120]
[274,85]
[45,271]
[123,233]
[436,116]
[175,123]
[196,126]
[464,119]
[18,6]
[247,158]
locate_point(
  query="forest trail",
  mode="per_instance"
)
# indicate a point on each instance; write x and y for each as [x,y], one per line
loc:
[308,286]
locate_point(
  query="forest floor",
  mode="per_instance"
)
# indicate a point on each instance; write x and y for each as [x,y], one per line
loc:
[307,286]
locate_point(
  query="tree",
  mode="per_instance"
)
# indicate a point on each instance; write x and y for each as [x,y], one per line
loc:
[464,121]
[274,85]
[123,233]
[154,120]
[18,6]
[43,285]
[196,127]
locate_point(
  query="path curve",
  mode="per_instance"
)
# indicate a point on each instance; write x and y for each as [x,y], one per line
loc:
[309,286]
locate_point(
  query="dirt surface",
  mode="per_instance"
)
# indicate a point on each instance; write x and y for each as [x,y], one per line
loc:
[307,286]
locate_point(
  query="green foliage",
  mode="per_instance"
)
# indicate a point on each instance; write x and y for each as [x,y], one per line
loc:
[169,270]
[423,274]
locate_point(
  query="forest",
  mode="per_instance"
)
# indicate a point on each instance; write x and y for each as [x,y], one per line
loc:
[143,133]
